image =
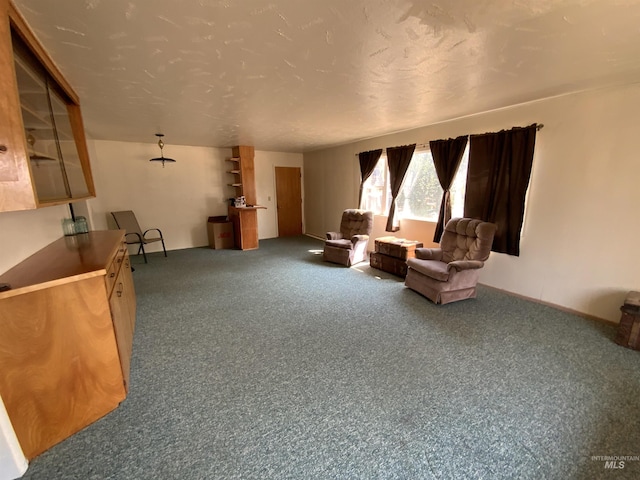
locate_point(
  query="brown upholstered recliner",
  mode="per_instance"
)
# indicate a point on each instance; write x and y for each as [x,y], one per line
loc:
[349,245]
[451,272]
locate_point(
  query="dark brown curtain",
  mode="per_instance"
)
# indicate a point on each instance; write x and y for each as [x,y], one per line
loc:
[497,181]
[447,155]
[398,159]
[368,162]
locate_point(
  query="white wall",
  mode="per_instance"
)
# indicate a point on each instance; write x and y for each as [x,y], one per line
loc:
[180,197]
[23,233]
[265,171]
[579,246]
[177,199]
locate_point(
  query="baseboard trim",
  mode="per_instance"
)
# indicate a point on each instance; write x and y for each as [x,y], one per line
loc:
[313,236]
[554,305]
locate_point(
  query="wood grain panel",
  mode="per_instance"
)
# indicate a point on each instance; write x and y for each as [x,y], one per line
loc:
[60,369]
[114,268]
[17,192]
[245,227]
[122,325]
[289,201]
[77,126]
[65,260]
[246,155]
[129,287]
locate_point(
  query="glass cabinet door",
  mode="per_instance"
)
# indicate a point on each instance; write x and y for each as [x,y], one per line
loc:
[56,169]
[66,142]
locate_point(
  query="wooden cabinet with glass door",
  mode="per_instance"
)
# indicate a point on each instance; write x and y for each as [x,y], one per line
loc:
[43,153]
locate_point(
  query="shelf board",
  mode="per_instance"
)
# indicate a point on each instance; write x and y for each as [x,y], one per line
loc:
[28,80]
[41,157]
[33,119]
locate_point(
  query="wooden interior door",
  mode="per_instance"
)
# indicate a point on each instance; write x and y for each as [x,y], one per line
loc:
[289,201]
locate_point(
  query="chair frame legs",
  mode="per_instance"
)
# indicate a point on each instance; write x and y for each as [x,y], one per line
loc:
[144,254]
[163,249]
[142,241]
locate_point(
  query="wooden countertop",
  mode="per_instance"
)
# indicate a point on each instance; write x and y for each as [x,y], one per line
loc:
[67,259]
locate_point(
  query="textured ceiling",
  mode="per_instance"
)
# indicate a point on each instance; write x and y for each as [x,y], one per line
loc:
[297,75]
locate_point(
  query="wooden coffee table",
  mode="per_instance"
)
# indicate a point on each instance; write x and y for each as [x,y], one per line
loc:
[391,254]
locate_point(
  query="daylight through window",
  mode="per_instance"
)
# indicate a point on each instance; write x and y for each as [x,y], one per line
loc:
[421,193]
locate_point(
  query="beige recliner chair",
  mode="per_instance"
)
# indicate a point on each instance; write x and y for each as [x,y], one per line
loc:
[349,245]
[451,272]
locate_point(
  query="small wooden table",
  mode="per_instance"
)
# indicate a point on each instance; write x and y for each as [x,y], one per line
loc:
[391,254]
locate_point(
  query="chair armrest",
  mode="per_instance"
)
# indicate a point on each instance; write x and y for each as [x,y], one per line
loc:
[359,238]
[138,240]
[334,235]
[150,230]
[460,265]
[429,253]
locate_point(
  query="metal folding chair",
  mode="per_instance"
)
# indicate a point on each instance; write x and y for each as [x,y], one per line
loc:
[126,220]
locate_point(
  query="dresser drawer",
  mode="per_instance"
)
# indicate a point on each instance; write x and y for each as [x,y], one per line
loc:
[114,267]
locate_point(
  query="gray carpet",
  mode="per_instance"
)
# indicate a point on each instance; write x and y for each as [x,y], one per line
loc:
[273,364]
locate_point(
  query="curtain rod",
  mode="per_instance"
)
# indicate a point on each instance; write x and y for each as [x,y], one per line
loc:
[539,126]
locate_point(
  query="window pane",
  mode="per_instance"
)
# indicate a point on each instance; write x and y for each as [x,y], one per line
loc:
[373,192]
[73,168]
[458,187]
[46,165]
[420,194]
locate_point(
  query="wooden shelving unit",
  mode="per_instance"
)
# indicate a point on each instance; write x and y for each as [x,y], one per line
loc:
[245,219]
[237,175]
[243,172]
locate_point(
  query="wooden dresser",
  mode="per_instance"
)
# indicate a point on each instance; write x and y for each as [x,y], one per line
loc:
[67,334]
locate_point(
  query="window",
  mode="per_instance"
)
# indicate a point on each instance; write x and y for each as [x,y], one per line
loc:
[459,186]
[376,189]
[421,193]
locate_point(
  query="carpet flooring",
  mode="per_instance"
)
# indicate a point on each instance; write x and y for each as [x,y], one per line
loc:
[272,364]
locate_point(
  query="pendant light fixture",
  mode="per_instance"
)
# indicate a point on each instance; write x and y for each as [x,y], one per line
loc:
[161,158]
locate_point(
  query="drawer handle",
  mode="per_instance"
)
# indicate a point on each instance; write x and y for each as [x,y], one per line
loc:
[121,289]
[3,148]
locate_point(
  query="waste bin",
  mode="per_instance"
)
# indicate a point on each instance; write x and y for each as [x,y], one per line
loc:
[220,231]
